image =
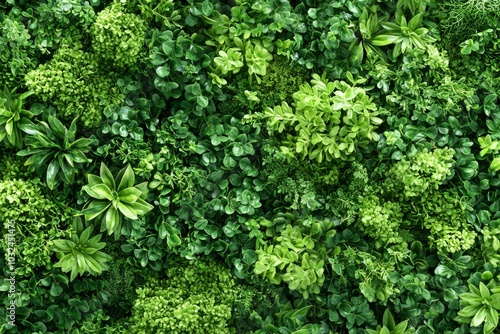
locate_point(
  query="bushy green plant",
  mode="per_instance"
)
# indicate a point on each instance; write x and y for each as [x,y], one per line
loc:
[196,298]
[380,221]
[74,82]
[282,79]
[12,167]
[296,254]
[490,245]
[25,209]
[330,120]
[444,215]
[419,174]
[404,34]
[13,117]
[303,185]
[51,21]
[389,326]
[82,253]
[114,198]
[118,37]
[18,54]
[480,306]
[460,19]
[52,144]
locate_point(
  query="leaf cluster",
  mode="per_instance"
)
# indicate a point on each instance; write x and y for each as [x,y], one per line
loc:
[81,254]
[115,197]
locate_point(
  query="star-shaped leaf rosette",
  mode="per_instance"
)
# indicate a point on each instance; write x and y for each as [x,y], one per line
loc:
[115,198]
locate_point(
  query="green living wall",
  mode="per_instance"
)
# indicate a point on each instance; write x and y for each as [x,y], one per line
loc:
[265,166]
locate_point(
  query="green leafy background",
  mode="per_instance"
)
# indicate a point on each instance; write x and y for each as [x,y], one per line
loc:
[264,166]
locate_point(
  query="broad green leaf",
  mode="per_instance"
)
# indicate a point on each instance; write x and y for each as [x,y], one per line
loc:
[173,240]
[469,311]
[99,191]
[61,246]
[129,195]
[141,207]
[163,71]
[84,237]
[382,40]
[111,220]
[479,317]
[56,290]
[107,177]
[94,209]
[125,178]
[52,171]
[388,319]
[495,300]
[126,210]
[401,327]
[485,292]
[93,180]
[57,127]
[144,189]
[492,317]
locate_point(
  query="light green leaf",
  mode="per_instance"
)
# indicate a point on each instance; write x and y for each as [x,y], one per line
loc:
[129,195]
[141,207]
[99,191]
[125,178]
[111,220]
[126,210]
[107,177]
[479,317]
[382,40]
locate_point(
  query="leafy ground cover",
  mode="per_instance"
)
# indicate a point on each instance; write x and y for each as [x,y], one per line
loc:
[266,166]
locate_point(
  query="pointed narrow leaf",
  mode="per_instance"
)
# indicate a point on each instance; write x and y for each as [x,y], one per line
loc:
[82,144]
[70,135]
[415,22]
[99,191]
[93,265]
[84,237]
[94,209]
[61,246]
[57,127]
[93,180]
[107,177]
[382,40]
[126,210]
[127,178]
[479,317]
[9,127]
[129,195]
[141,207]
[68,173]
[143,187]
[112,220]
[52,171]
[485,292]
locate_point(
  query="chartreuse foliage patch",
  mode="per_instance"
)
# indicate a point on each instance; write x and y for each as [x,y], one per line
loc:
[250,167]
[115,197]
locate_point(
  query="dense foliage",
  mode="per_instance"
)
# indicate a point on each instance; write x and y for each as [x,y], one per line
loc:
[264,166]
